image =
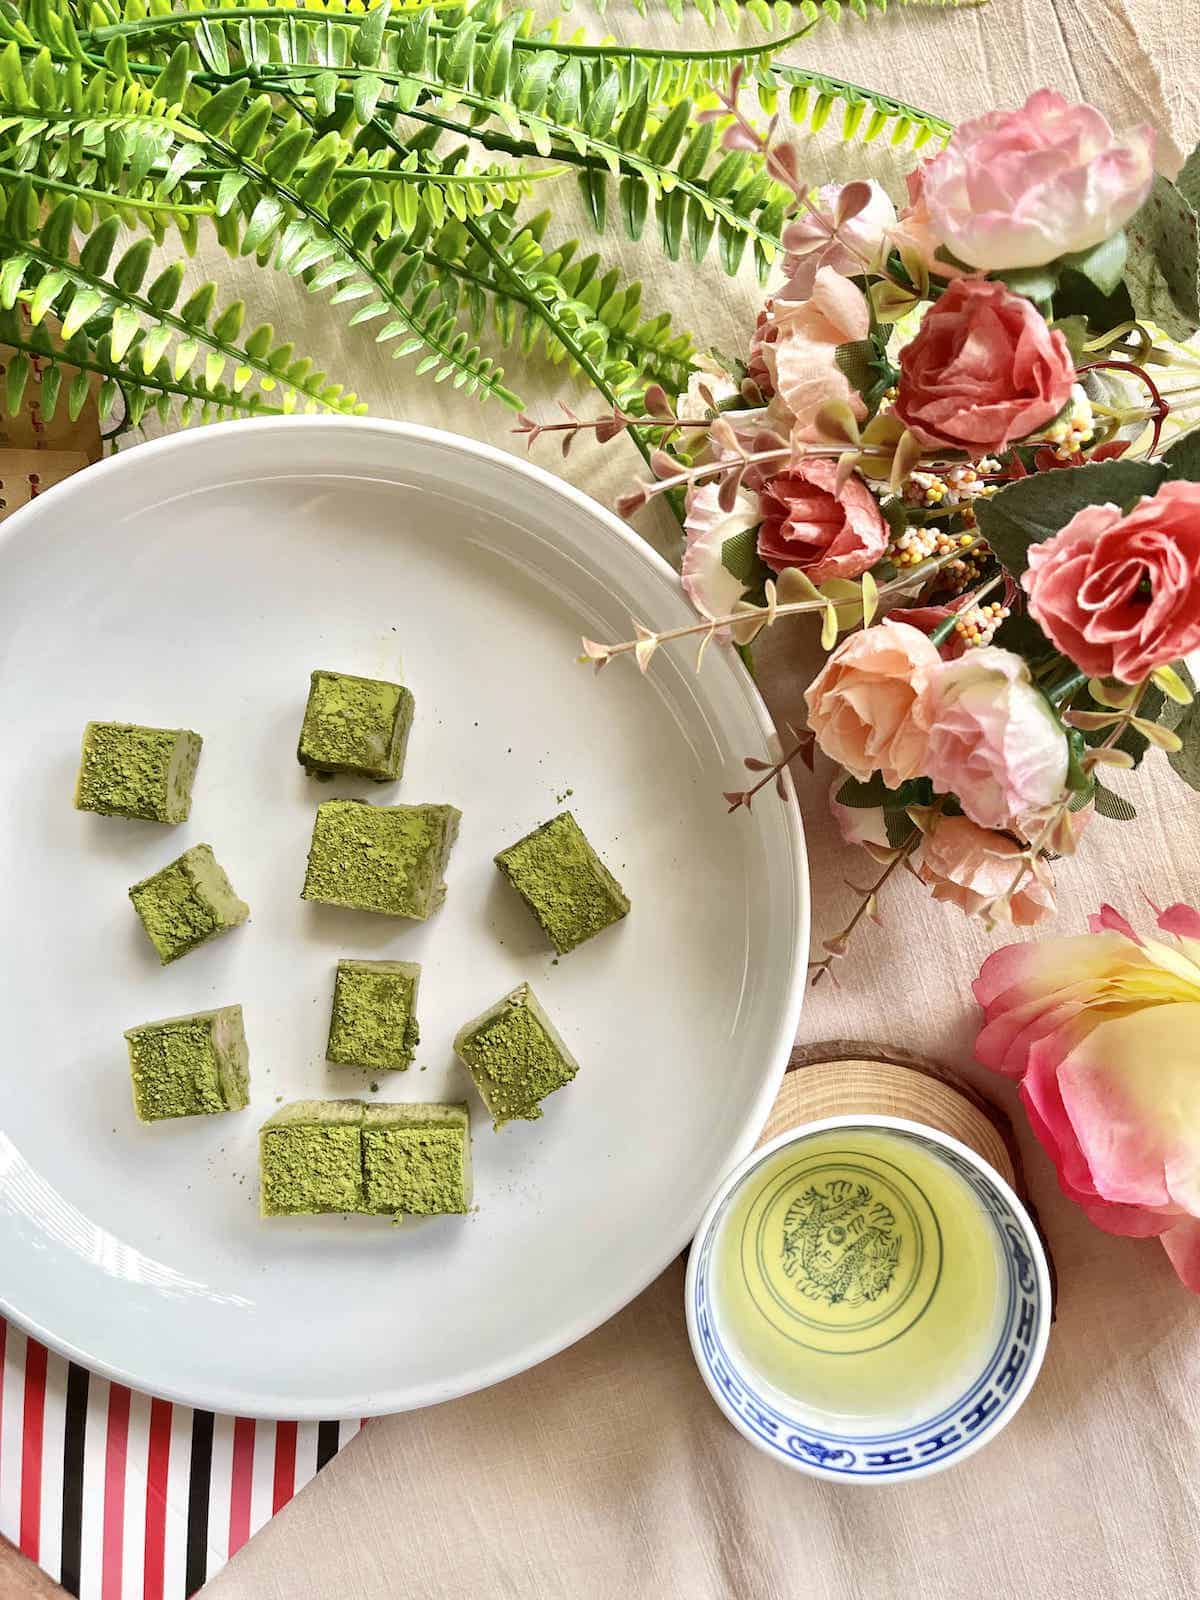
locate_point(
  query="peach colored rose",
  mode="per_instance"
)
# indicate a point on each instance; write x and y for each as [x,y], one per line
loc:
[1120,595]
[1020,188]
[863,826]
[796,346]
[993,739]
[811,523]
[972,867]
[809,247]
[983,370]
[707,581]
[865,704]
[1100,1030]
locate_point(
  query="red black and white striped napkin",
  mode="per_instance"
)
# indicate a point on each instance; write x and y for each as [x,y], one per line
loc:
[122,1497]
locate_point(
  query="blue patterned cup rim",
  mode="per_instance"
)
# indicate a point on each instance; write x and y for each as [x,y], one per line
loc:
[911,1450]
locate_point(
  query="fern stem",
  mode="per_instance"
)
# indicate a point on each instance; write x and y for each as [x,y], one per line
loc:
[540,310]
[239,356]
[104,197]
[537,308]
[362,264]
[172,21]
[179,389]
[563,150]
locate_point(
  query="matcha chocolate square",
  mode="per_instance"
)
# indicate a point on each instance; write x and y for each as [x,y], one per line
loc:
[515,1056]
[189,1066]
[417,1159]
[129,771]
[374,1020]
[389,859]
[355,725]
[564,883]
[187,902]
[310,1158]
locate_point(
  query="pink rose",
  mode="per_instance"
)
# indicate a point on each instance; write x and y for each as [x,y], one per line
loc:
[993,739]
[1020,188]
[809,522]
[984,369]
[972,867]
[1100,1030]
[863,826]
[796,346]
[809,245]
[865,704]
[914,231]
[1120,595]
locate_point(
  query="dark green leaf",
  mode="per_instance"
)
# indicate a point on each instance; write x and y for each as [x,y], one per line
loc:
[1035,283]
[1103,265]
[1034,508]
[863,796]
[1186,761]
[1163,272]
[1113,806]
[1182,459]
[898,826]
[739,556]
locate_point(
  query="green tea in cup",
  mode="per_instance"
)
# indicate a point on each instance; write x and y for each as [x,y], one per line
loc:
[858,1274]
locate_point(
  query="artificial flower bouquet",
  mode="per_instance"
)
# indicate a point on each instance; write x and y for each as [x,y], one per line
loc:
[958,436]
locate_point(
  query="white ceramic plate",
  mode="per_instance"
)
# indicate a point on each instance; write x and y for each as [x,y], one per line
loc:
[194,582]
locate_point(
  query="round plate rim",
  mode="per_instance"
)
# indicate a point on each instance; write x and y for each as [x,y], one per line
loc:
[388,1401]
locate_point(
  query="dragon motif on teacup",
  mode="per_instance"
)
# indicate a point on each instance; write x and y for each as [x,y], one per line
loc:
[840,1244]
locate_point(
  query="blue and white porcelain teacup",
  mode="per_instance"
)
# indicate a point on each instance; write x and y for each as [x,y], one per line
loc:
[867,1300]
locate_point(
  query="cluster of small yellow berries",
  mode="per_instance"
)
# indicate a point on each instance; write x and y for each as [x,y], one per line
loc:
[976,626]
[1073,430]
[918,544]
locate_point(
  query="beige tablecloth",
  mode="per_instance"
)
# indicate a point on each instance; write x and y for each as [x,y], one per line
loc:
[607,1474]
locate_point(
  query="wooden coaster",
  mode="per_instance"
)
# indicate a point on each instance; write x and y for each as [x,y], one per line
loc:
[842,1076]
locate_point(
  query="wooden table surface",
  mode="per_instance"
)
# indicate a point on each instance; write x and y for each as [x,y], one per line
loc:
[607,1472]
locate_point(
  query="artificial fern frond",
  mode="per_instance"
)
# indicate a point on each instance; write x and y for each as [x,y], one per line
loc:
[809,99]
[92,290]
[312,136]
[43,356]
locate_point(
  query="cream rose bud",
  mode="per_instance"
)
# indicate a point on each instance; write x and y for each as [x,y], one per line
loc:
[1020,188]
[865,706]
[993,739]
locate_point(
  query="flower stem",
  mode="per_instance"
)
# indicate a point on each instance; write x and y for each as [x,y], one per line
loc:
[818,969]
